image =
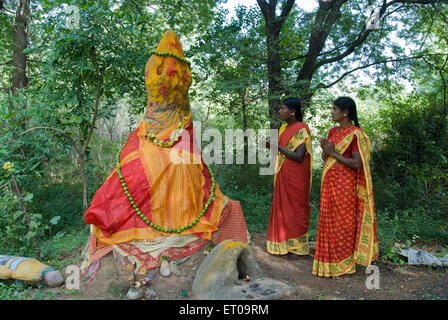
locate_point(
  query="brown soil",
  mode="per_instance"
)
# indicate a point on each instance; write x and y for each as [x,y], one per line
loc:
[396,282]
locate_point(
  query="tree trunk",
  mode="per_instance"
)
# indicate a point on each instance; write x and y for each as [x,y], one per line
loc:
[274,72]
[244,108]
[326,17]
[20,42]
[273,27]
[85,143]
[20,38]
[84,180]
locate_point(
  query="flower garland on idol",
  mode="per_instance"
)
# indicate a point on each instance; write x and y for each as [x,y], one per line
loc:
[170,54]
[167,144]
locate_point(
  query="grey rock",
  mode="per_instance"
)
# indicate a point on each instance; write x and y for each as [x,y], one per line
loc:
[53,279]
[135,294]
[217,278]
[150,277]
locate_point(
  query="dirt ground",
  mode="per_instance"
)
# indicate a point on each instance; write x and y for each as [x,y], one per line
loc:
[396,282]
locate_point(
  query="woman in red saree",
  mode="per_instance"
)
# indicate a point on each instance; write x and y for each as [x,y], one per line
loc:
[346,231]
[290,211]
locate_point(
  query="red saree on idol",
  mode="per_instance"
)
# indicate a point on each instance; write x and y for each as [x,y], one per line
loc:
[161,199]
[290,211]
[346,231]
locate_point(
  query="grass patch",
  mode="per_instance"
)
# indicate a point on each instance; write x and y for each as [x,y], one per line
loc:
[62,251]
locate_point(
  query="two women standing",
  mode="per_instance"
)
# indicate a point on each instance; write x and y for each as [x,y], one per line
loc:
[346,231]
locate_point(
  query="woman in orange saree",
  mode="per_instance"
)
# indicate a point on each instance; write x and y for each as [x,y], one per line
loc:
[290,211]
[346,231]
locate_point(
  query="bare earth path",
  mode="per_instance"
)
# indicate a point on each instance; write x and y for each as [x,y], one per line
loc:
[396,282]
[403,282]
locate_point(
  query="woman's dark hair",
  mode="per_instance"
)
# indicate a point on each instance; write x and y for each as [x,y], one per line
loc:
[294,104]
[347,103]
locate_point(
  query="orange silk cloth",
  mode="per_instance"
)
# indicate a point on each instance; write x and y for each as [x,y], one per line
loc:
[346,231]
[170,195]
[290,210]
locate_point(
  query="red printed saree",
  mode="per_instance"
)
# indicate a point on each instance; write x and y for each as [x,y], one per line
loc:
[290,211]
[346,231]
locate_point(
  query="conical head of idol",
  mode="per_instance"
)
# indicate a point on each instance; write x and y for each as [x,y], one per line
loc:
[168,78]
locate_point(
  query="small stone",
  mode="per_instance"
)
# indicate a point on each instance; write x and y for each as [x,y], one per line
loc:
[165,270]
[249,296]
[409,279]
[53,279]
[256,289]
[150,294]
[150,277]
[238,282]
[135,294]
[361,298]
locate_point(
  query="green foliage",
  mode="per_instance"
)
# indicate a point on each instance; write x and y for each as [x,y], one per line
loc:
[254,191]
[65,250]
[409,164]
[404,228]
[15,290]
[15,232]
[56,215]
[12,291]
[230,58]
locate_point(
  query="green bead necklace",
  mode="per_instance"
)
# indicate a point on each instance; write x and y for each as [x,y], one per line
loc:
[170,54]
[151,137]
[153,225]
